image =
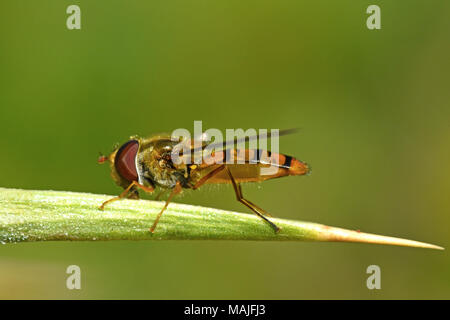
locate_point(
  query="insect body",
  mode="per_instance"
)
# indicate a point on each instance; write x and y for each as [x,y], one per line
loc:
[147,164]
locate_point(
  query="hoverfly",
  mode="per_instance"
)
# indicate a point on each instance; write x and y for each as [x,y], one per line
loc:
[146,164]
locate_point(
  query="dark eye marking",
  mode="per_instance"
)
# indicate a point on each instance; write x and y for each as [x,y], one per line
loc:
[125,160]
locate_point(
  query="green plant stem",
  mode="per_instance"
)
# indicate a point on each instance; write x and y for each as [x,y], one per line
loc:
[29,215]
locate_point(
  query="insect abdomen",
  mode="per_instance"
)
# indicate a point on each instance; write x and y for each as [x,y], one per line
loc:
[287,165]
[259,165]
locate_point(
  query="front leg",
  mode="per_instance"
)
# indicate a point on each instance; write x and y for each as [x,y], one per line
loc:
[126,192]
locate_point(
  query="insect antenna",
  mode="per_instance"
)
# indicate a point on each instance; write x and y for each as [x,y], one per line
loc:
[102,158]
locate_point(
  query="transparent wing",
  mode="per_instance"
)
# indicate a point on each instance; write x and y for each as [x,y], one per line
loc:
[199,143]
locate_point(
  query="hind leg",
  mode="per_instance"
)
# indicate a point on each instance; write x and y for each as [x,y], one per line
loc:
[257,210]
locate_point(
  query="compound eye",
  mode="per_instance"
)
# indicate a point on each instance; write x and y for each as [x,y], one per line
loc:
[125,160]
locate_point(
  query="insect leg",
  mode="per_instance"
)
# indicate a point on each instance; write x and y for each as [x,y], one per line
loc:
[126,192]
[208,176]
[161,193]
[177,189]
[133,194]
[259,212]
[264,212]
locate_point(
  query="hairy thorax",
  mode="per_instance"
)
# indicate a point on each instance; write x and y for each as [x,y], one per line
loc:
[158,169]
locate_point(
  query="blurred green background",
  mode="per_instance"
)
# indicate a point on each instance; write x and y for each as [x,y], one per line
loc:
[373,107]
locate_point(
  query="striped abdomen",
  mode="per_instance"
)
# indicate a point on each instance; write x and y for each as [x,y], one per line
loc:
[249,165]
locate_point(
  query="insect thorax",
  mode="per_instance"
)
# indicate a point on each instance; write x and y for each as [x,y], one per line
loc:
[156,167]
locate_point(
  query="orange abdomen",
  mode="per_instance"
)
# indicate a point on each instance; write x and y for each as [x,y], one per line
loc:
[251,165]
